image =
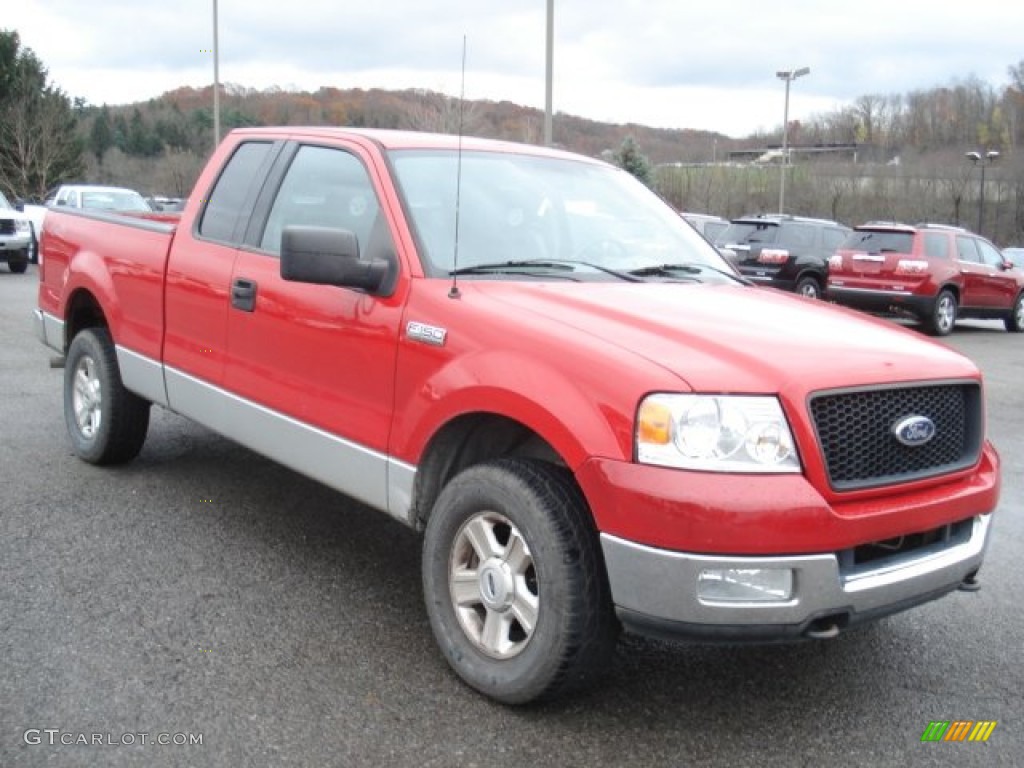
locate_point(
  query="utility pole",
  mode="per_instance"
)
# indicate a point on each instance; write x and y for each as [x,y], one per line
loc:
[549,72]
[789,76]
[978,159]
[216,81]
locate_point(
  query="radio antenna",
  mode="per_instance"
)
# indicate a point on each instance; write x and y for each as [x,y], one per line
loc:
[453,292]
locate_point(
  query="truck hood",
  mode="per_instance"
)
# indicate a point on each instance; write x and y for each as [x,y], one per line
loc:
[735,338]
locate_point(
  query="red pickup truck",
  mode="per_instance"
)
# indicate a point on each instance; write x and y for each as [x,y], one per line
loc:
[527,355]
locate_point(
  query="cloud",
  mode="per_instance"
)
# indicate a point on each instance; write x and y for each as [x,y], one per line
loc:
[661,62]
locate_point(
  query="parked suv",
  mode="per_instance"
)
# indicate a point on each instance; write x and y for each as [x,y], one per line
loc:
[788,252]
[707,224]
[932,272]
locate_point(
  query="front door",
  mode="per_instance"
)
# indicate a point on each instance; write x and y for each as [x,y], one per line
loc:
[316,363]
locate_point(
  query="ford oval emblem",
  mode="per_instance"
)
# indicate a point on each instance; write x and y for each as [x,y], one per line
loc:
[913,431]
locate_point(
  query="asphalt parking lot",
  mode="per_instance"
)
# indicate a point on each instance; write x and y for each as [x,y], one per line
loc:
[204,593]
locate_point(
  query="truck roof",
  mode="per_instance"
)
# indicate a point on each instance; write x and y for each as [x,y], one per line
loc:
[395,139]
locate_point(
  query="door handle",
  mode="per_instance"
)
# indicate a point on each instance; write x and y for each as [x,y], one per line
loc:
[243,294]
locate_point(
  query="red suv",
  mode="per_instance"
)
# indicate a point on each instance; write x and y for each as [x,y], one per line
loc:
[933,272]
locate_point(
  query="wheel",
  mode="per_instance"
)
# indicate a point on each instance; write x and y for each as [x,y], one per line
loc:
[1015,320]
[943,316]
[106,422]
[514,581]
[809,287]
[18,266]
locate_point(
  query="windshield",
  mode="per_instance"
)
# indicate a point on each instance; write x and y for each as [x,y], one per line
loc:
[114,200]
[539,210]
[4,205]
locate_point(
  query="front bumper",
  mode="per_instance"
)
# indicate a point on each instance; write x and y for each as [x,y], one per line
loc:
[14,245]
[655,590]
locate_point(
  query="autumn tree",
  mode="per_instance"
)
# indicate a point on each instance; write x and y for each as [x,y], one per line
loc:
[38,143]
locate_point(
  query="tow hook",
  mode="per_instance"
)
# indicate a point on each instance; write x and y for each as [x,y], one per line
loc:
[970,584]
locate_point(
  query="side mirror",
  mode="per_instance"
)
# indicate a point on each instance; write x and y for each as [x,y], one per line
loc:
[1007,264]
[19,204]
[327,256]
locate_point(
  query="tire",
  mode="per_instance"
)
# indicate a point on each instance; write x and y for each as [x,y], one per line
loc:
[107,423]
[18,266]
[531,616]
[809,287]
[1015,320]
[943,315]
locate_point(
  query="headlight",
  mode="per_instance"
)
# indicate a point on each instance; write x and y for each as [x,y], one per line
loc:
[717,433]
[21,225]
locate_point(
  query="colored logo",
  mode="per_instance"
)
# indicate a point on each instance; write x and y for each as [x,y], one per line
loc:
[959,730]
[914,430]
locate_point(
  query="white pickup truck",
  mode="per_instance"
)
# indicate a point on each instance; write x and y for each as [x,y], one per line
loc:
[15,237]
[95,197]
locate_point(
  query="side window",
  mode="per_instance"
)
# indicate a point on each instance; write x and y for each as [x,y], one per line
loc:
[325,188]
[797,236]
[228,201]
[966,250]
[936,245]
[989,255]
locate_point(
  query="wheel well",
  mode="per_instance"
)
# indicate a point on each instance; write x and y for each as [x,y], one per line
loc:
[817,277]
[468,440]
[83,312]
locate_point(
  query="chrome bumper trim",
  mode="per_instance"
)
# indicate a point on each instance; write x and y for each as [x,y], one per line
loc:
[662,584]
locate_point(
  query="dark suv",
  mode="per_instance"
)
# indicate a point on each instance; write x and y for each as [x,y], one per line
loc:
[933,272]
[788,252]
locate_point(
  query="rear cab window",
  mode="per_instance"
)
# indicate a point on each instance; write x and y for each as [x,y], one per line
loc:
[227,211]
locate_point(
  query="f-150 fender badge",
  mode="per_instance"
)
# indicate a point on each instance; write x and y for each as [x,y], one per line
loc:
[913,431]
[428,334]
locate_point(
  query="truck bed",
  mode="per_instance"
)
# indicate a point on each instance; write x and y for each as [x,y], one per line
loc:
[130,252]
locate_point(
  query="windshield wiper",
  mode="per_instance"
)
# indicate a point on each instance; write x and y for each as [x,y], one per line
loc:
[528,264]
[688,269]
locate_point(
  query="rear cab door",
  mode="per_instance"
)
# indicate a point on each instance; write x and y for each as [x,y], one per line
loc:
[197,285]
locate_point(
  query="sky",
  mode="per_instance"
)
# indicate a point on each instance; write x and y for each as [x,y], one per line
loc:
[664,63]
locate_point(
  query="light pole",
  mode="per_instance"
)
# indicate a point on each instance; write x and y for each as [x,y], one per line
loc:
[978,159]
[548,75]
[216,81]
[789,76]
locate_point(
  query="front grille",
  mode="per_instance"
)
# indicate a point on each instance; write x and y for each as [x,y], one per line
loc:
[7,227]
[860,449]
